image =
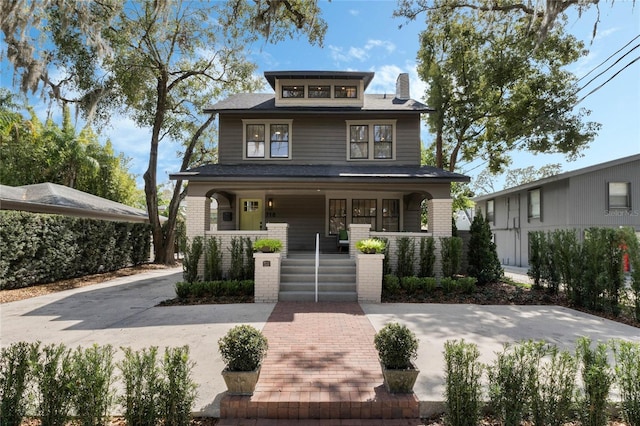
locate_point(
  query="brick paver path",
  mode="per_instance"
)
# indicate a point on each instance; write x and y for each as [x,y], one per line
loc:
[321,364]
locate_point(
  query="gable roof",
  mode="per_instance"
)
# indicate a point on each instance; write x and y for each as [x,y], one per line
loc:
[312,172]
[559,177]
[59,199]
[266,102]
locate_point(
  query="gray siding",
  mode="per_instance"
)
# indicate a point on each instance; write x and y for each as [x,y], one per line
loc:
[577,202]
[319,139]
[305,216]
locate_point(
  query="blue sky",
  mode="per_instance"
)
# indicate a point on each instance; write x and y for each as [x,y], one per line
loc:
[363,36]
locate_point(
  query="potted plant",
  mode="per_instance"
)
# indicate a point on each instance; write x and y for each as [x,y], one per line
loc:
[397,348]
[370,246]
[242,349]
[267,245]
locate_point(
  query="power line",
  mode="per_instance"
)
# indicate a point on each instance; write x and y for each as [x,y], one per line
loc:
[611,56]
[609,67]
[608,80]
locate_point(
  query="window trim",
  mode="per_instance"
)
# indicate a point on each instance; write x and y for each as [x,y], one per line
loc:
[530,215]
[344,215]
[371,138]
[267,140]
[383,216]
[293,88]
[628,196]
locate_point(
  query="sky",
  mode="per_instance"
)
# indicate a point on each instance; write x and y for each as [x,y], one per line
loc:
[362,35]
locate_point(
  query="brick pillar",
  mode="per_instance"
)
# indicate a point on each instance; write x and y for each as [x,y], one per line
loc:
[267,277]
[357,232]
[279,231]
[440,214]
[369,277]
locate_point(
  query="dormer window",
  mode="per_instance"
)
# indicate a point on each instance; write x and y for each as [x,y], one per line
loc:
[320,92]
[293,91]
[346,92]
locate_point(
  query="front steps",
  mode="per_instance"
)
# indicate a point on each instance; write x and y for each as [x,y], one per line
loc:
[336,278]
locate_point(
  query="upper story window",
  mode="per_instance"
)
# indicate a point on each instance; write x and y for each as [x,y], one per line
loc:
[293,91]
[267,139]
[371,140]
[490,211]
[534,209]
[619,195]
[320,92]
[346,91]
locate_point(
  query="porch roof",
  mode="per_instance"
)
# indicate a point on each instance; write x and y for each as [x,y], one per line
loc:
[266,102]
[309,172]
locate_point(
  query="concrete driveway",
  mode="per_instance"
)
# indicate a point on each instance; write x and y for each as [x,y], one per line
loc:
[123,312]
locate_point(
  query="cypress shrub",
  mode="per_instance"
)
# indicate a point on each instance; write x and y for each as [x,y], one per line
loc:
[212,260]
[191,260]
[451,253]
[463,390]
[427,257]
[406,257]
[483,257]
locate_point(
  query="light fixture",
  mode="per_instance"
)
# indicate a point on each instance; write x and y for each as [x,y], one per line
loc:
[270,203]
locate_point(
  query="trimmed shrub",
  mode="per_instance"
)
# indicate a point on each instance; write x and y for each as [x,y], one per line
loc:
[448,284]
[627,356]
[42,248]
[429,284]
[406,257]
[451,253]
[212,260]
[482,253]
[54,374]
[390,285]
[597,379]
[92,380]
[397,346]
[537,262]
[466,285]
[192,256]
[386,262]
[16,362]
[178,389]
[411,284]
[463,391]
[243,348]
[553,387]
[427,257]
[142,386]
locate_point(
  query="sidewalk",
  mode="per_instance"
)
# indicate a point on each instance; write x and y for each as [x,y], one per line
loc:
[123,312]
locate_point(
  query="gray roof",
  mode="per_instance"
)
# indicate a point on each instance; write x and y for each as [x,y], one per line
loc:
[59,199]
[266,102]
[347,173]
[558,177]
[271,76]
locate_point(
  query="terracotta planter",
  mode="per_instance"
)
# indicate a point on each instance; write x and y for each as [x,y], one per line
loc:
[241,382]
[400,381]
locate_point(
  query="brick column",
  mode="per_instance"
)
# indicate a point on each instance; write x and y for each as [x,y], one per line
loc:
[440,214]
[357,232]
[369,277]
[267,277]
[197,208]
[279,231]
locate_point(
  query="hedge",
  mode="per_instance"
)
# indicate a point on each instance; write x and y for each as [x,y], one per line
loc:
[41,248]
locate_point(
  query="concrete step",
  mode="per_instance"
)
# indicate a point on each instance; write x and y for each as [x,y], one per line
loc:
[310,296]
[322,287]
[322,278]
[336,278]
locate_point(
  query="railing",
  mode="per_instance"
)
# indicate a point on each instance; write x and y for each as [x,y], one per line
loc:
[317,262]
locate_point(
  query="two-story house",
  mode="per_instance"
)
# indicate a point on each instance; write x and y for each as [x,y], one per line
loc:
[317,157]
[603,195]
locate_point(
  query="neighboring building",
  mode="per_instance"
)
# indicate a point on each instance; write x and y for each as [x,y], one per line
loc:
[318,155]
[604,195]
[52,198]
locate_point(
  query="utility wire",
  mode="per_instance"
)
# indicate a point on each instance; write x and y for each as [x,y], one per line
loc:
[608,80]
[611,56]
[609,67]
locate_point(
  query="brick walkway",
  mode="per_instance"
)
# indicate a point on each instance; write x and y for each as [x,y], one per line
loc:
[321,364]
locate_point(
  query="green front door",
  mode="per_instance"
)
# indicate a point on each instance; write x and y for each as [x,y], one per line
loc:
[250,214]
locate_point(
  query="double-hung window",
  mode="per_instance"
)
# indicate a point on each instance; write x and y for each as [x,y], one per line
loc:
[267,139]
[371,140]
[337,215]
[534,208]
[365,211]
[490,211]
[619,195]
[391,215]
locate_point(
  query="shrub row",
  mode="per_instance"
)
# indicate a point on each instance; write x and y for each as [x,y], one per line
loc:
[590,271]
[41,248]
[214,289]
[57,383]
[241,252]
[536,382]
[394,286]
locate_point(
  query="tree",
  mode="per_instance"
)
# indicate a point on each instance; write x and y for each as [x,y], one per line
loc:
[159,62]
[495,89]
[484,263]
[484,183]
[35,152]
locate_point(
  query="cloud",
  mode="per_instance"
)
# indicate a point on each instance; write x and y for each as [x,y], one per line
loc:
[360,54]
[386,76]
[354,12]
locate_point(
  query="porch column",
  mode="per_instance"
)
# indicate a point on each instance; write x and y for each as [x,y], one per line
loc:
[357,232]
[279,231]
[197,209]
[267,277]
[440,214]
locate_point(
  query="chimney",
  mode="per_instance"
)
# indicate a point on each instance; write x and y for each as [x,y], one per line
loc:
[402,87]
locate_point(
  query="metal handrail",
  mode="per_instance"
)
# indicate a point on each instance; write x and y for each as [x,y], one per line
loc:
[317,262]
